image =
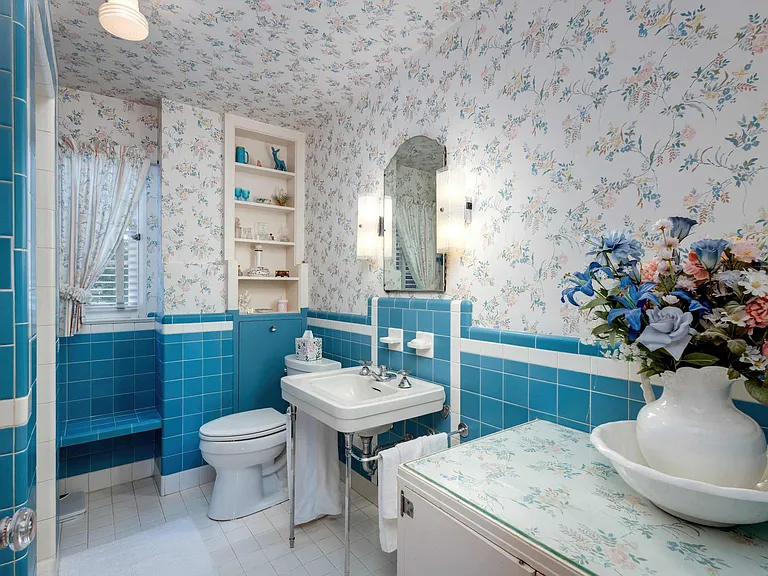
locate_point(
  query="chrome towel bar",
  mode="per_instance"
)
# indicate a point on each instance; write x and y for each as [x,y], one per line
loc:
[462,431]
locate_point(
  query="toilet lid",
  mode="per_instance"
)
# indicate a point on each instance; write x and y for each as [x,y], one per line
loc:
[244,425]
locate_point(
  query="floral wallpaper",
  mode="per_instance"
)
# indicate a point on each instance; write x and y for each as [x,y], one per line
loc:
[279,61]
[97,117]
[192,149]
[93,117]
[569,117]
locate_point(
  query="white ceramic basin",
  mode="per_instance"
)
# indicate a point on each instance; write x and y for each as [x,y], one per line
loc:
[351,389]
[348,402]
[687,499]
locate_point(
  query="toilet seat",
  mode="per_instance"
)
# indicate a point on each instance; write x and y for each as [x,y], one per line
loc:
[244,426]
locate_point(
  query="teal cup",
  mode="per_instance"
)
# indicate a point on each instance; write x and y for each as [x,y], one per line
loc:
[241,155]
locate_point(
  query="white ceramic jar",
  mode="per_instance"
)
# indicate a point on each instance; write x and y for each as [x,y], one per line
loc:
[694,430]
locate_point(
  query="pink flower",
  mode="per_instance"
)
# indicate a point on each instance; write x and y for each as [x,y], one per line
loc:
[649,271]
[688,133]
[694,268]
[645,72]
[760,43]
[764,350]
[745,250]
[757,310]
[663,267]
[686,284]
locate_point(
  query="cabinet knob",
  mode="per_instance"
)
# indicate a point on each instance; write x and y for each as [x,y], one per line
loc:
[273,328]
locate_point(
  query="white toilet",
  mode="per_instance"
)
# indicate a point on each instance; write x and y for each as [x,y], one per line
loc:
[248,452]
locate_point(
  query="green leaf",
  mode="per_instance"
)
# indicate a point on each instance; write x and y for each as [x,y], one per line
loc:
[699,359]
[757,391]
[737,346]
[601,329]
[733,374]
[713,334]
[732,307]
[594,303]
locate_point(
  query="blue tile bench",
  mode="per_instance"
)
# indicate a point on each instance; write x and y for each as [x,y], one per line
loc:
[84,430]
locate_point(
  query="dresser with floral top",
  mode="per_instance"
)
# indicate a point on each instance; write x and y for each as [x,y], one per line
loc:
[542,496]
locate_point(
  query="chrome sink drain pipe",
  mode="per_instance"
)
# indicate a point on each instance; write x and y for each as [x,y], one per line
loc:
[368,464]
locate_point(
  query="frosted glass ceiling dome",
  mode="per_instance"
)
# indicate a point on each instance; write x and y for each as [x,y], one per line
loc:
[122,18]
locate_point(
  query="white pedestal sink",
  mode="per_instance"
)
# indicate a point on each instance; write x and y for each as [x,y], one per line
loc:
[348,402]
[351,403]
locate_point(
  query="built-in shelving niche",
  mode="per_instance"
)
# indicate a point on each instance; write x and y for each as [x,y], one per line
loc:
[263,181]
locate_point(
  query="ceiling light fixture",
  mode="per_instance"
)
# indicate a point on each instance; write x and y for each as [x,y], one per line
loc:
[122,18]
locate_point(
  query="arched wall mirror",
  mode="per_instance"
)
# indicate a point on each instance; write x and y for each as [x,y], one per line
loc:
[411,260]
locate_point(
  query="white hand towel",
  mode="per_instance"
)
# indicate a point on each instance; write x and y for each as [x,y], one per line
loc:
[388,507]
[387,471]
[317,470]
[411,450]
[435,443]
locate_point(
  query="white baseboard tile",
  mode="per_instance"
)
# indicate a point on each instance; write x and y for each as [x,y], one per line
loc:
[180,481]
[189,479]
[142,469]
[107,478]
[207,474]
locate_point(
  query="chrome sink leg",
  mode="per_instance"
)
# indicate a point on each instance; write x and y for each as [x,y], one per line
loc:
[292,480]
[347,489]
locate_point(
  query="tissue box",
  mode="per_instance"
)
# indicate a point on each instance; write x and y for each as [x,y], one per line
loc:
[309,349]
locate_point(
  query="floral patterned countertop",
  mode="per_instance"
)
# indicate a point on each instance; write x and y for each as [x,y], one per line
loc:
[550,485]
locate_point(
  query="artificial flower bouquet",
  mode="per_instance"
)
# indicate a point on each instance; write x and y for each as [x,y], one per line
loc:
[706,305]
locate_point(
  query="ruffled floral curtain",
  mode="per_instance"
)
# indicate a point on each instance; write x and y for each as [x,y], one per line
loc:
[416,231]
[100,186]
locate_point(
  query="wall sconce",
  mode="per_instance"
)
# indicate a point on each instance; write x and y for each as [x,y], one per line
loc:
[369,227]
[454,209]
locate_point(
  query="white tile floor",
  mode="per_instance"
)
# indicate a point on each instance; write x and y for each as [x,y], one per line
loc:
[256,545]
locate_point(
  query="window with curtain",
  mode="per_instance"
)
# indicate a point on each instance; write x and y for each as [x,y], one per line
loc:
[118,293]
[117,289]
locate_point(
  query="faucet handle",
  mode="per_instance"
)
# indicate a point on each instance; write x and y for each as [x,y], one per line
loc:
[366,367]
[404,382]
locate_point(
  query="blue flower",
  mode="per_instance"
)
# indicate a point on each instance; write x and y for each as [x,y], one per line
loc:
[582,283]
[709,252]
[668,328]
[693,304]
[619,244]
[632,269]
[632,298]
[681,226]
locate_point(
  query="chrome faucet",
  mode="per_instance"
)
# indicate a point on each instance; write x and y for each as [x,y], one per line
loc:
[384,375]
[366,369]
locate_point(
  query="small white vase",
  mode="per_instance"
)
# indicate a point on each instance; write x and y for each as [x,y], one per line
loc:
[694,431]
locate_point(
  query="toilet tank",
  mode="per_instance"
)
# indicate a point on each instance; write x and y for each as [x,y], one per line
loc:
[296,366]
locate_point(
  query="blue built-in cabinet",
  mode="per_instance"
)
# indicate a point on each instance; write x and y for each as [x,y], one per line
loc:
[262,344]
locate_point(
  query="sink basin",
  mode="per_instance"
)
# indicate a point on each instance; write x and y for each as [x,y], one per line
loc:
[351,389]
[348,402]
